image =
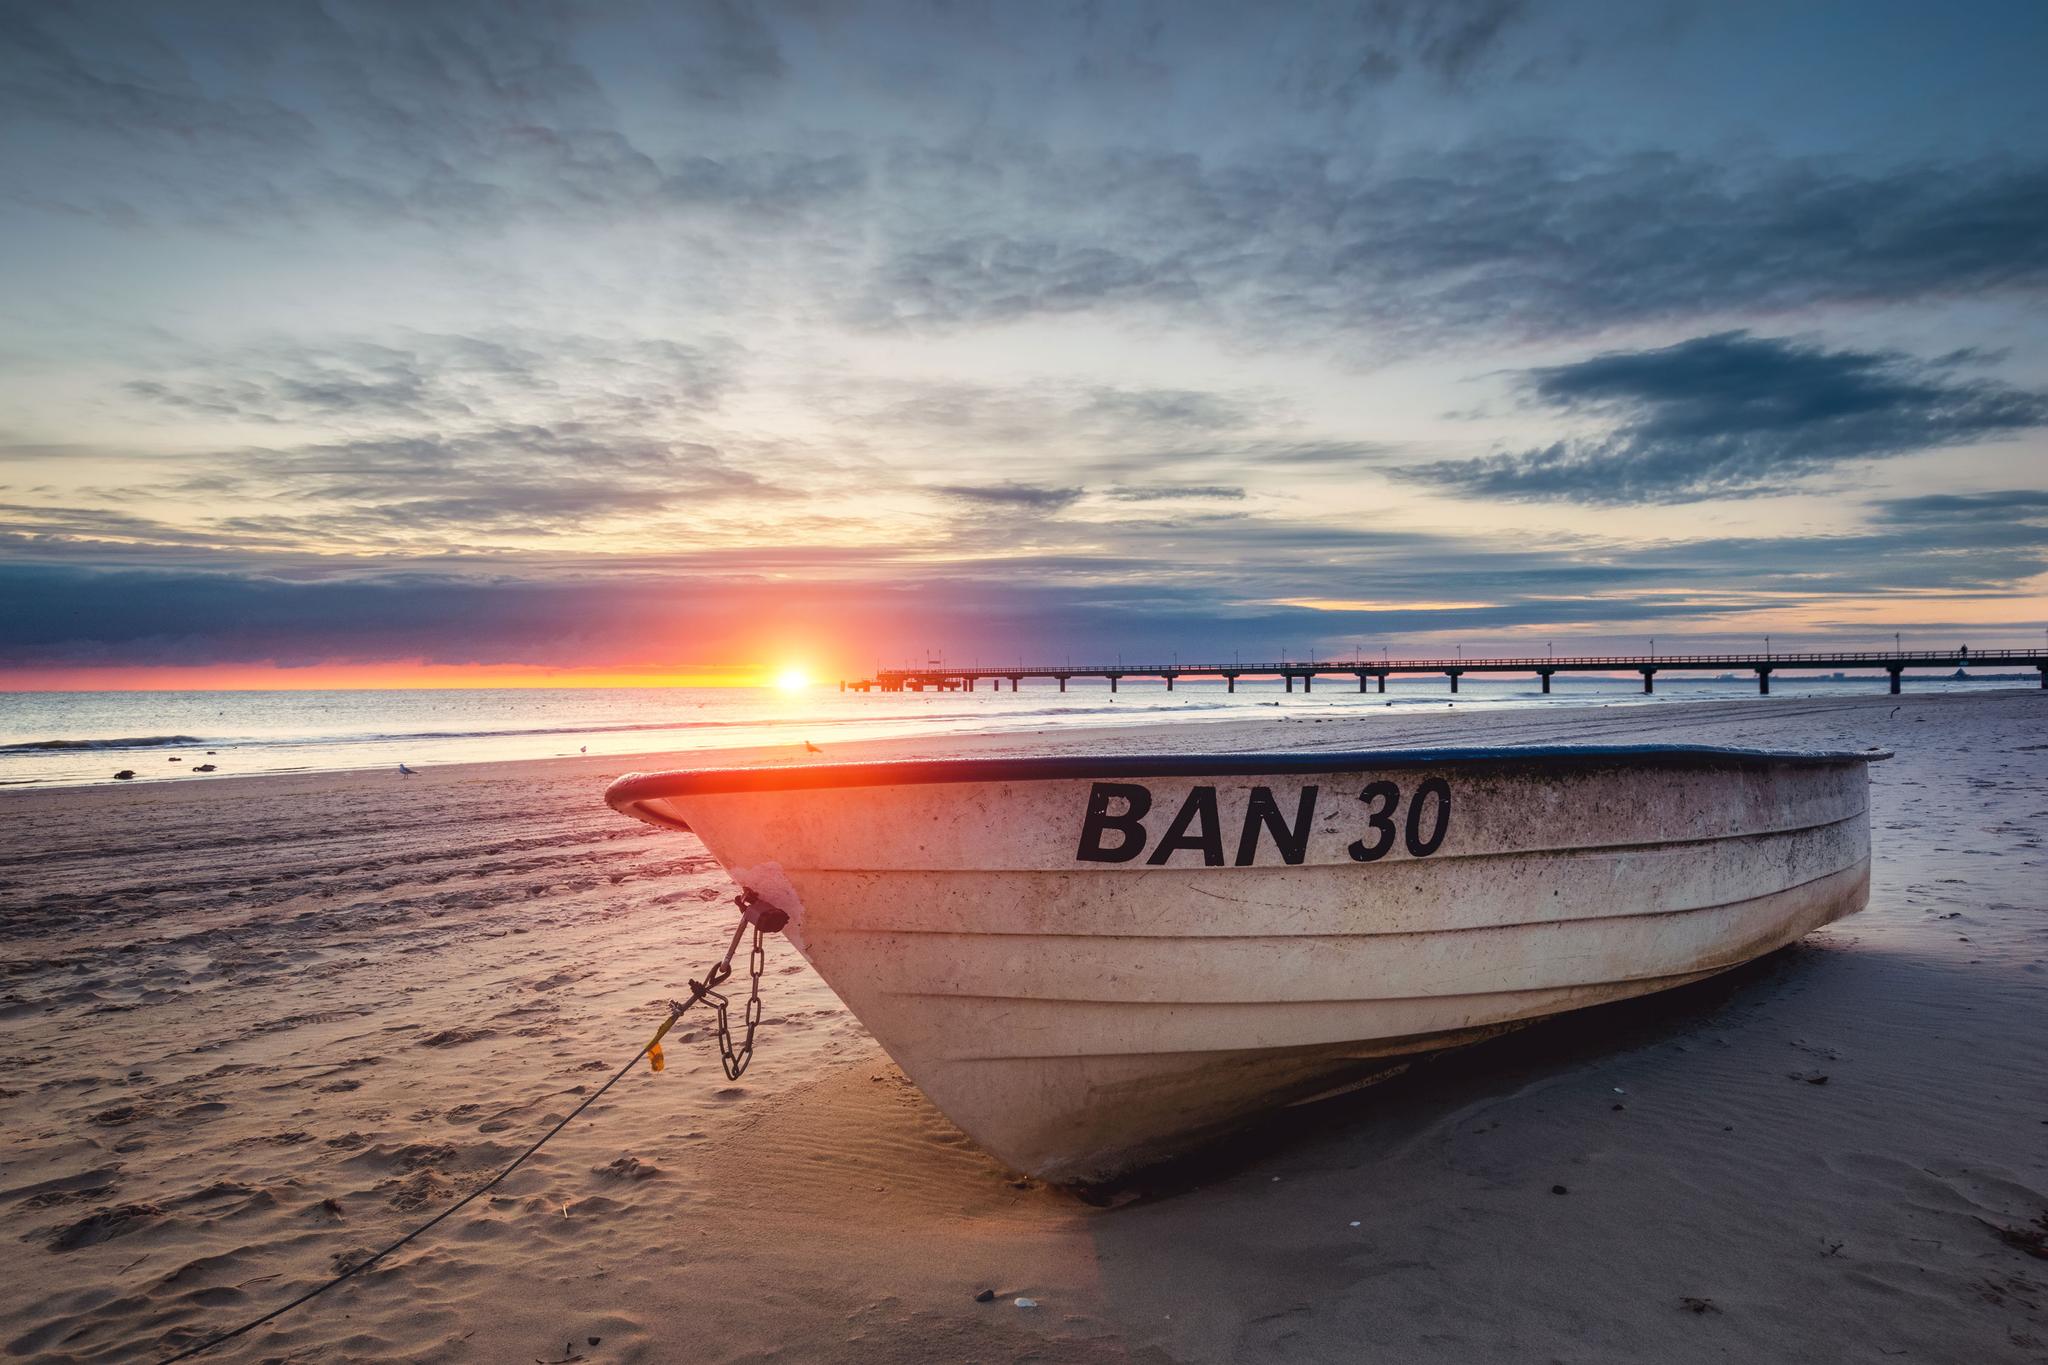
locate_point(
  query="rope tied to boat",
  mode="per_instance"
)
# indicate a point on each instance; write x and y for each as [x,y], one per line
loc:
[765,919]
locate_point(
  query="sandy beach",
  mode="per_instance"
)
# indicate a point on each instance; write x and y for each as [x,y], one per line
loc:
[255,1027]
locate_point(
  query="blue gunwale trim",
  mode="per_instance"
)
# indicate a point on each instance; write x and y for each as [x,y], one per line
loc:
[634,788]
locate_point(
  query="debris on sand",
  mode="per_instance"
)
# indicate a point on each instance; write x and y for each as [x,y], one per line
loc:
[2032,1240]
[1692,1305]
[985,1296]
[1810,1077]
[204,768]
[1559,1189]
[124,775]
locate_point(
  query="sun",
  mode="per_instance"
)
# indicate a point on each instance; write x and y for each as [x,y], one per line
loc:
[792,679]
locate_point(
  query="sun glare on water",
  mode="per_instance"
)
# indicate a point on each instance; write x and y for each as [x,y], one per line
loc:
[792,679]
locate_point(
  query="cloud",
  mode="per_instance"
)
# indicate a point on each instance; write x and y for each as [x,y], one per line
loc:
[437,378]
[1167,492]
[984,260]
[1446,40]
[429,441]
[1200,581]
[1735,415]
[1025,496]
[481,112]
[1528,237]
[2001,509]
[949,206]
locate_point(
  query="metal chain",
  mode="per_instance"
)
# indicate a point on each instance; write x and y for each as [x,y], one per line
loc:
[736,1060]
[764,917]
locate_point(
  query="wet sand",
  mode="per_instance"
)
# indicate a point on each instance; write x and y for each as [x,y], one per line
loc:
[256,1026]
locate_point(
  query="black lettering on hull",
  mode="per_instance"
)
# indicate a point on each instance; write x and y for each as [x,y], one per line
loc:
[1263,813]
[1130,824]
[1198,809]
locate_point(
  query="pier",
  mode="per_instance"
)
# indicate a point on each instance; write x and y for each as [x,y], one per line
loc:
[1894,663]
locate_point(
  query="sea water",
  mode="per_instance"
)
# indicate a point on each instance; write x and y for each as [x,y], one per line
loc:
[69,738]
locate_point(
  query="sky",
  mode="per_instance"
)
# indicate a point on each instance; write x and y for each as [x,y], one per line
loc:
[375,344]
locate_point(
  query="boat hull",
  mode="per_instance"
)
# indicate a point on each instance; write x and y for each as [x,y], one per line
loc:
[1088,967]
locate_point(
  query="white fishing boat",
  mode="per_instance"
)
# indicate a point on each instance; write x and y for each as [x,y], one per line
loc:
[1089,963]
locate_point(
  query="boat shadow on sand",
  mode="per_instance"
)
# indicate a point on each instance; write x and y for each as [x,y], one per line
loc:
[1432,1090]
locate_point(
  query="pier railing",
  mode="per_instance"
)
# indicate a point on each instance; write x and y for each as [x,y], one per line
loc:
[1764,664]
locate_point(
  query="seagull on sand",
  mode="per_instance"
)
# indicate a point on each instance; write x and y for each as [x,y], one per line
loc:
[812,748]
[407,771]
